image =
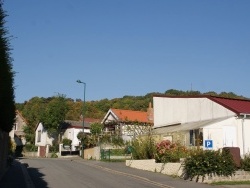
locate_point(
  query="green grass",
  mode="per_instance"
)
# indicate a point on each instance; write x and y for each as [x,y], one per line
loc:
[231,183]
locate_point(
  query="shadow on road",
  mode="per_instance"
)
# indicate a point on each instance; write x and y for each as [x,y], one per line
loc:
[19,175]
[37,178]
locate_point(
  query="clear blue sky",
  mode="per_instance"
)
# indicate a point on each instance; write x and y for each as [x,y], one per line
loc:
[128,47]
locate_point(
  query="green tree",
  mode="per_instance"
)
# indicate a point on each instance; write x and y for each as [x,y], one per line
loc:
[29,134]
[55,113]
[96,128]
[33,111]
[7,103]
[174,92]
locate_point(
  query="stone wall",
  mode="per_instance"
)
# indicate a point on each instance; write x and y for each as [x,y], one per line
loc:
[177,169]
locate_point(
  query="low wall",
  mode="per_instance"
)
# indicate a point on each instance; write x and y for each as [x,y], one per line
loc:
[171,169]
[92,153]
[30,154]
[240,175]
[177,169]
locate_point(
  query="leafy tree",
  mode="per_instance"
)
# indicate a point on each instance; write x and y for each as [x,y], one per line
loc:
[174,92]
[33,111]
[29,134]
[7,104]
[96,128]
[211,93]
[74,110]
[55,114]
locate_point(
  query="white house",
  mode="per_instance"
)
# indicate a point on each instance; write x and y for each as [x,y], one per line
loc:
[17,133]
[70,130]
[128,123]
[212,122]
[42,140]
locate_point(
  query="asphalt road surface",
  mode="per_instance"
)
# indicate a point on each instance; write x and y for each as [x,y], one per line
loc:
[76,172]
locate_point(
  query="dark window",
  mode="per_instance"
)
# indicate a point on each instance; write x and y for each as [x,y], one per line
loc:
[39,136]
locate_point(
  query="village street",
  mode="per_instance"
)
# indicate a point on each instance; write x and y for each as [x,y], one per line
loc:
[76,172]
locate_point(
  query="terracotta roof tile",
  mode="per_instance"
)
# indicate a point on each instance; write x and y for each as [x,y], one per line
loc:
[130,115]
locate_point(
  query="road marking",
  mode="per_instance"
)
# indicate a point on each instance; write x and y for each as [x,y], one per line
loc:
[126,174]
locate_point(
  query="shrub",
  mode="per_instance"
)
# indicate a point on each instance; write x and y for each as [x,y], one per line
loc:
[208,162]
[30,148]
[170,152]
[117,152]
[245,163]
[54,155]
[66,142]
[54,148]
[143,147]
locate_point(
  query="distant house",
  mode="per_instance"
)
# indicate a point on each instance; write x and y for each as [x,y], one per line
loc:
[43,140]
[68,129]
[128,123]
[206,121]
[17,133]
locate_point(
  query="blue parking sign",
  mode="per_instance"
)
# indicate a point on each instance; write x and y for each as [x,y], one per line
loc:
[209,144]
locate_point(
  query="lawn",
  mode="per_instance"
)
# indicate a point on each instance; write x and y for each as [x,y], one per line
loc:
[231,183]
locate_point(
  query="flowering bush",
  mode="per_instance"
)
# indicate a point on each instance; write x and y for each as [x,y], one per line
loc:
[209,162]
[166,151]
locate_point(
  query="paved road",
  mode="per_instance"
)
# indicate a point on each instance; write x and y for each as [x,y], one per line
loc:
[66,173]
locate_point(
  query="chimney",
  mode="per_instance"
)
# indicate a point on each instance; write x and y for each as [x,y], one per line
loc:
[150,112]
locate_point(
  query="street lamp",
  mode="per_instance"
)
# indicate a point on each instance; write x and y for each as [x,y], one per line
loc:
[83,112]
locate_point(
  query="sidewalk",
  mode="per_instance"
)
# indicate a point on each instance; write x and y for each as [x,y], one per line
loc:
[16,177]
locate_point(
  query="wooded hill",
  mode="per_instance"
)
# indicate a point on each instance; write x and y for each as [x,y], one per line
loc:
[33,110]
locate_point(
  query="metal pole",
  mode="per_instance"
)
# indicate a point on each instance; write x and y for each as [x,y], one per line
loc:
[83,113]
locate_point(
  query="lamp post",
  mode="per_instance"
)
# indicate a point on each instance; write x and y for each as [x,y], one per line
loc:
[83,113]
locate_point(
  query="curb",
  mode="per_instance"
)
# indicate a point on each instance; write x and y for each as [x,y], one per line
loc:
[29,183]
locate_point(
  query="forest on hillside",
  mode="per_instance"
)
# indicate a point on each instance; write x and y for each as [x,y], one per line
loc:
[34,109]
[54,110]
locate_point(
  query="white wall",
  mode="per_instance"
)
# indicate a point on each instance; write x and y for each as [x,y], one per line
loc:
[71,133]
[184,110]
[228,133]
[44,136]
[243,130]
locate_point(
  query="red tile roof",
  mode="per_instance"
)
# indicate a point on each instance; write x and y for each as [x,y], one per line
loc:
[236,105]
[130,115]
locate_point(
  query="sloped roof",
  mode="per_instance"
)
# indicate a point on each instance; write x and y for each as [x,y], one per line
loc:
[187,126]
[238,106]
[21,116]
[130,115]
[74,124]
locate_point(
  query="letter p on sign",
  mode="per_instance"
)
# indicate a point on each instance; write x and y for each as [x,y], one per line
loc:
[209,144]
